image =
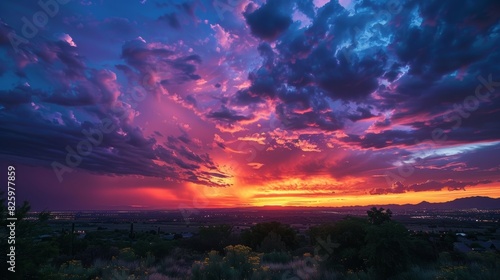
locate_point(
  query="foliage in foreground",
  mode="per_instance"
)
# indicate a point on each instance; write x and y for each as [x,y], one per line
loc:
[353,248]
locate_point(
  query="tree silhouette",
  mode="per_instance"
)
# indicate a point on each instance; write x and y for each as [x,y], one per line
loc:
[272,242]
[258,233]
[387,249]
[348,237]
[378,216]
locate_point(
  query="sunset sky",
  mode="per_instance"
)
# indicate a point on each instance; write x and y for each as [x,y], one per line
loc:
[223,103]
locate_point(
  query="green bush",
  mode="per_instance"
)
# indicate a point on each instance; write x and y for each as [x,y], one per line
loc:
[277,257]
[386,249]
[239,262]
[255,236]
[72,270]
[127,254]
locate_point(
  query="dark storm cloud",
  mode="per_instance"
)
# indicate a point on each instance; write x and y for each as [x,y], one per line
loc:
[361,114]
[187,65]
[22,94]
[59,58]
[221,145]
[347,79]
[359,162]
[384,123]
[304,71]
[191,100]
[483,159]
[432,66]
[387,138]
[214,174]
[449,38]
[450,185]
[397,187]
[185,138]
[128,152]
[91,91]
[445,56]
[263,83]
[82,98]
[415,95]
[264,80]
[269,20]
[303,107]
[119,25]
[137,54]
[43,127]
[246,97]
[44,141]
[53,52]
[393,72]
[478,162]
[306,7]
[436,186]
[5,30]
[3,68]
[162,61]
[187,7]
[228,115]
[171,19]
[72,82]
[292,120]
[454,125]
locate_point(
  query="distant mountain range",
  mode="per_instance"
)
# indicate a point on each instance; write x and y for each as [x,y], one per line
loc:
[478,202]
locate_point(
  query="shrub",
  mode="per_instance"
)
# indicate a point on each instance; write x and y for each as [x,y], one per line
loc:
[127,254]
[72,270]
[239,262]
[258,233]
[387,249]
[277,257]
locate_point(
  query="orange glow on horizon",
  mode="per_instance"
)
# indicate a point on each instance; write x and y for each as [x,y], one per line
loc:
[367,199]
[307,195]
[206,197]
